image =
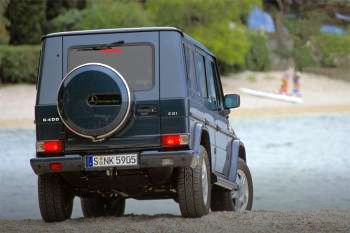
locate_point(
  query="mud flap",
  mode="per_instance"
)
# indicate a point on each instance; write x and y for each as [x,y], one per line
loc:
[232,163]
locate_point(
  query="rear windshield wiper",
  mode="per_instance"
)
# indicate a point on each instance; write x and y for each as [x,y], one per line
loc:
[101,46]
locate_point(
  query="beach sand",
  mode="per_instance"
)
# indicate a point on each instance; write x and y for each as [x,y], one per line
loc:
[320,94]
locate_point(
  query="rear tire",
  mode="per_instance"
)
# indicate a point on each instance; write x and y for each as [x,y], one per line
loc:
[98,206]
[225,200]
[55,198]
[194,188]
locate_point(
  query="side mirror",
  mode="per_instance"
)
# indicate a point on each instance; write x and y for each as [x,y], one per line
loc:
[232,101]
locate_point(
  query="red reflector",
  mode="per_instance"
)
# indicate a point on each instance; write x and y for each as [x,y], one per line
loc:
[111,50]
[52,146]
[171,140]
[56,167]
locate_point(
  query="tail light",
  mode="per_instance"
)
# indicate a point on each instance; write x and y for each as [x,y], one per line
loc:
[51,146]
[174,140]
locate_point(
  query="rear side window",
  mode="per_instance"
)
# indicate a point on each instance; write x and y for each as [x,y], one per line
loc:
[134,62]
[200,73]
[212,90]
[190,67]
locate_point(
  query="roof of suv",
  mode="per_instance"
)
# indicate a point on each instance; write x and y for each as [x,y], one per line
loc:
[116,30]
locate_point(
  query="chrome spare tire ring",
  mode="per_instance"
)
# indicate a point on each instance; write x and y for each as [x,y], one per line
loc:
[69,102]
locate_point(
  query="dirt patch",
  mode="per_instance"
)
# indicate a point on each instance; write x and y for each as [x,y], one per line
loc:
[255,221]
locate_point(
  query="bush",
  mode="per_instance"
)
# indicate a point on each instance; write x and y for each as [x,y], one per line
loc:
[216,24]
[303,57]
[18,64]
[335,50]
[258,57]
[230,45]
[103,14]
[4,36]
[26,19]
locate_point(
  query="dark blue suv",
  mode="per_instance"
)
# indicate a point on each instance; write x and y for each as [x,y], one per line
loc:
[134,113]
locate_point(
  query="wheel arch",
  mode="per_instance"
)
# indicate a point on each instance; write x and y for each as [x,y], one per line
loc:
[201,137]
[242,152]
[237,151]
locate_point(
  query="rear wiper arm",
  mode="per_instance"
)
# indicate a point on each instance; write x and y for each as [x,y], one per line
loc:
[102,46]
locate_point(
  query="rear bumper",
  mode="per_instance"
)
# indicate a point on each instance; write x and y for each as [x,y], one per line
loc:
[147,159]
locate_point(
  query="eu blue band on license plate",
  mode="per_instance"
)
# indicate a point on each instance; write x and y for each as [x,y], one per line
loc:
[89,161]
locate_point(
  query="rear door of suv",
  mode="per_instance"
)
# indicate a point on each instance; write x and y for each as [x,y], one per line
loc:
[134,55]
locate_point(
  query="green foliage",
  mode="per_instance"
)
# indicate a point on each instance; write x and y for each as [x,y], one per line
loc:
[258,57]
[303,57]
[302,29]
[230,45]
[56,7]
[214,23]
[335,50]
[67,22]
[26,21]
[18,64]
[103,14]
[4,36]
[188,14]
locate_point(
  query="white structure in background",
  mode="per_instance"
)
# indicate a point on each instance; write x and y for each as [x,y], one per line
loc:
[275,96]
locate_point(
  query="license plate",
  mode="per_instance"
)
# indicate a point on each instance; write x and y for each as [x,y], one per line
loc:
[122,160]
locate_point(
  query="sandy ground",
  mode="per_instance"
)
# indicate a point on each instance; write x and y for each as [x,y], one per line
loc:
[255,221]
[17,106]
[320,94]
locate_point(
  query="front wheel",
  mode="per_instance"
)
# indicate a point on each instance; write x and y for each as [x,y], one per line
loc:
[194,188]
[55,198]
[237,200]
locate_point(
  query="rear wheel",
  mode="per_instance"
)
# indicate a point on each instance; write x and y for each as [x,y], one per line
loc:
[98,206]
[55,198]
[194,188]
[239,200]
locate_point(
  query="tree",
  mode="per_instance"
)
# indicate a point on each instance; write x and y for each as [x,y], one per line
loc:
[26,20]
[57,7]
[4,37]
[103,14]
[217,24]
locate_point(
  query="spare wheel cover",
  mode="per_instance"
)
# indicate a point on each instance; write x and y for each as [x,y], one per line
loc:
[94,101]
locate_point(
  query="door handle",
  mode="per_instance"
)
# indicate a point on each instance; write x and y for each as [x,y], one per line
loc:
[144,110]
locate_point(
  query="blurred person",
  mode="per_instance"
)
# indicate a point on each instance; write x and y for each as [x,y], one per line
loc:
[284,88]
[296,84]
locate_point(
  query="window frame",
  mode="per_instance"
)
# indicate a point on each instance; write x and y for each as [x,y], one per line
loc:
[211,65]
[197,54]
[218,85]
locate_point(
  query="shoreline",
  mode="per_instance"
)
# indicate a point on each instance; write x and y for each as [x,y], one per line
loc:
[288,111]
[320,95]
[244,113]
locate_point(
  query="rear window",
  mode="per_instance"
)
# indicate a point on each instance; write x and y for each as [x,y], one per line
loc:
[134,62]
